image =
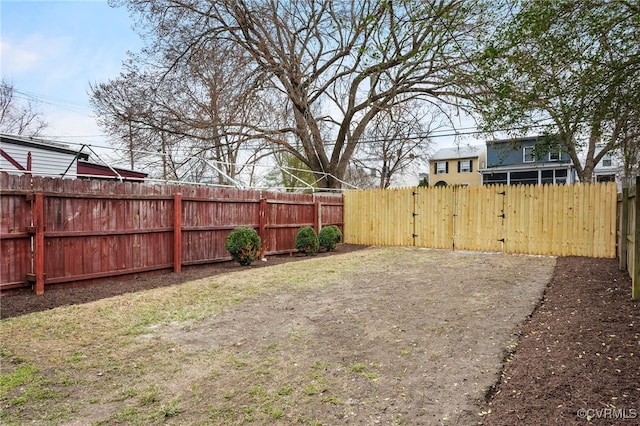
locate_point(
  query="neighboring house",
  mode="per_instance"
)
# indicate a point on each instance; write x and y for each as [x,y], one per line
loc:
[457,166]
[608,167]
[22,154]
[520,161]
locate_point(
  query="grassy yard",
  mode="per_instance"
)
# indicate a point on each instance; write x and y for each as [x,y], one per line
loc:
[393,335]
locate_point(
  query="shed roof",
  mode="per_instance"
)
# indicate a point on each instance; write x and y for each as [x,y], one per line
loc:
[46,145]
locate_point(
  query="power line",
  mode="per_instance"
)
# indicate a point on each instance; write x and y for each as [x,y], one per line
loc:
[53,102]
[38,96]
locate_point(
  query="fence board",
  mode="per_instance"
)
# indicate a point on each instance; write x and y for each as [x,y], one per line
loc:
[538,219]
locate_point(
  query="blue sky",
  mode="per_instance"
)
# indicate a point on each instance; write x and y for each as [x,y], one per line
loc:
[51,50]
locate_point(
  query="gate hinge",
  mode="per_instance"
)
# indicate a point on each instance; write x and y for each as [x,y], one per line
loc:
[501,240]
[414,235]
[502,193]
[501,215]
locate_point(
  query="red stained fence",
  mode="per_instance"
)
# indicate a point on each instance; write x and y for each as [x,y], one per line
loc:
[63,231]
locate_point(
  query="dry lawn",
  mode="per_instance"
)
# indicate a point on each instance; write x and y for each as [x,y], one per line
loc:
[382,335]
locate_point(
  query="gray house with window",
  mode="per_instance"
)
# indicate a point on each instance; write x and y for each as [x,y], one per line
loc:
[530,160]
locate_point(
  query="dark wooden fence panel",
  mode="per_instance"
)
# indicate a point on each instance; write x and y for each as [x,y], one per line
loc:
[16,222]
[87,230]
[89,236]
[331,210]
[209,216]
[285,214]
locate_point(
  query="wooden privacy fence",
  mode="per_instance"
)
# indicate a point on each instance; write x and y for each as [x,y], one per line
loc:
[561,220]
[629,235]
[60,231]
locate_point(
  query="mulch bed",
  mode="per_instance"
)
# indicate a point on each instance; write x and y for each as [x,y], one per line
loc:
[577,361]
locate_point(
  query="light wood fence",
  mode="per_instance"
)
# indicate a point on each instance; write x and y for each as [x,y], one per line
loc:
[629,235]
[563,220]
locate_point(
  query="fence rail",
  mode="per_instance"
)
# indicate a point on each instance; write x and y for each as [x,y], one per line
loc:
[563,220]
[60,231]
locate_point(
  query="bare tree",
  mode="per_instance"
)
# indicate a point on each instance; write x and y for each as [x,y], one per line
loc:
[396,141]
[18,117]
[183,114]
[121,105]
[290,174]
[334,64]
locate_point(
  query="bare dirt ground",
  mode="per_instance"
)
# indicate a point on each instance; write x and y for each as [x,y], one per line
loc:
[420,340]
[427,339]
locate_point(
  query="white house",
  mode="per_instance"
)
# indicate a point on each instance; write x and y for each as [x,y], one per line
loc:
[48,158]
[20,154]
[609,169]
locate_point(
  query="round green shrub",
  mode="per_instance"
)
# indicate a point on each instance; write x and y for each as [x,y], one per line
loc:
[329,236]
[307,241]
[244,245]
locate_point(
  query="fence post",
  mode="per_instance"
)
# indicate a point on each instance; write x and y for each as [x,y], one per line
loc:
[624,229]
[635,279]
[177,232]
[316,215]
[262,230]
[38,243]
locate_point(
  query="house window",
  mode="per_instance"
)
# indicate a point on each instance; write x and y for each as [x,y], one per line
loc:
[606,160]
[561,176]
[554,155]
[464,166]
[524,178]
[527,155]
[494,178]
[442,167]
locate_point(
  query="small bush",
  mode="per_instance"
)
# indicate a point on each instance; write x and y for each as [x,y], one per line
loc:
[329,236]
[307,241]
[244,245]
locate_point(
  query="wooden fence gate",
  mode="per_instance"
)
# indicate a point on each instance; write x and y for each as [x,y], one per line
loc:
[563,220]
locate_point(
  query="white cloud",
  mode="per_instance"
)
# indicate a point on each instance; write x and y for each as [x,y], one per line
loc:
[30,54]
[15,58]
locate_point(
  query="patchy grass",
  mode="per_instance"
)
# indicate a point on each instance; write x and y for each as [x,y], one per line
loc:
[96,348]
[158,356]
